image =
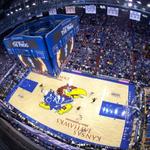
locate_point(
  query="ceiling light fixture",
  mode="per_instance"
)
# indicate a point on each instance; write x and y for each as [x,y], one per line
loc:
[130,4]
[139,2]
[33,4]
[45,1]
[148,5]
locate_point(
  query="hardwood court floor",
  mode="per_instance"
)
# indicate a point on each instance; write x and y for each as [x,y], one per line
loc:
[85,123]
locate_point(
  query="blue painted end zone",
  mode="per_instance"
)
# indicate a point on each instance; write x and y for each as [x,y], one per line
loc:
[113,110]
[28,85]
[10,94]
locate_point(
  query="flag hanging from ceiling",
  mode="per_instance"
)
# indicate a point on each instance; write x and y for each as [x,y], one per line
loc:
[52,11]
[90,9]
[70,9]
[134,15]
[112,11]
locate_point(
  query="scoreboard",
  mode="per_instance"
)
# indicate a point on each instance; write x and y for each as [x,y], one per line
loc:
[26,46]
[50,49]
[60,41]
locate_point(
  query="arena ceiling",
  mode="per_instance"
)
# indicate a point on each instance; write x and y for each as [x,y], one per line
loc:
[11,7]
[139,4]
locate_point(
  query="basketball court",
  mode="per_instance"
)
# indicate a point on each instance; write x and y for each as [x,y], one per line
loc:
[98,113]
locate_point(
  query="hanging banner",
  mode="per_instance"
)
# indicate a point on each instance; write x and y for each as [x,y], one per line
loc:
[90,9]
[112,11]
[70,9]
[53,11]
[134,15]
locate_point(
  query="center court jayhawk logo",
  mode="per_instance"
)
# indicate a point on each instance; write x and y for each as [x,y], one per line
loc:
[71,91]
[62,98]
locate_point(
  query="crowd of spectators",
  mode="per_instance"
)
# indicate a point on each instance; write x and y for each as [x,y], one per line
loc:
[118,48]
[106,46]
[4,59]
[11,80]
[147,119]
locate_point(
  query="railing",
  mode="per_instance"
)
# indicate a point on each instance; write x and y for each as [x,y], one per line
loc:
[5,76]
[35,135]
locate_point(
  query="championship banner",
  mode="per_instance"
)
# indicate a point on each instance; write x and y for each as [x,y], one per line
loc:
[53,11]
[112,11]
[90,9]
[134,15]
[70,9]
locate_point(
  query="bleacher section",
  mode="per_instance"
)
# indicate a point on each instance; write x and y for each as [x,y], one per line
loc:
[105,47]
[146,134]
